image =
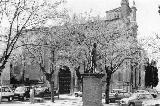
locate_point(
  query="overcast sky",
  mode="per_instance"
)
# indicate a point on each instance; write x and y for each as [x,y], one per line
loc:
[148,18]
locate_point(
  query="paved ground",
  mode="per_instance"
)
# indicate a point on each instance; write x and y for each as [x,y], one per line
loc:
[64,100]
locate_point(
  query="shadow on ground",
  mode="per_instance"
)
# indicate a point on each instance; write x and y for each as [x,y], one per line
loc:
[15,101]
[12,102]
[62,97]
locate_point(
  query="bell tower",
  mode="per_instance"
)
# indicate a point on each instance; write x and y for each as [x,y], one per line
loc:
[125,9]
[134,9]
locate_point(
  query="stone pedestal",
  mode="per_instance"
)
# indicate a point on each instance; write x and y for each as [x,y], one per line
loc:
[92,89]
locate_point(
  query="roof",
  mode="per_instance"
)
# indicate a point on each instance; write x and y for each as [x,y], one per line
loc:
[114,10]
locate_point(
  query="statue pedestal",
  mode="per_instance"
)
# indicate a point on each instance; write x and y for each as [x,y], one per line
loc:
[92,89]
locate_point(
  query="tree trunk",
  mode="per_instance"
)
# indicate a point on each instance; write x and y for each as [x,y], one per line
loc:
[0,88]
[107,88]
[52,90]
[1,83]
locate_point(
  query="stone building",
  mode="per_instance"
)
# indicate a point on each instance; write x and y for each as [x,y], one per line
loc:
[120,26]
[131,75]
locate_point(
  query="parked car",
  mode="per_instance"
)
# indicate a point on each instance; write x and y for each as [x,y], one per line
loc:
[79,93]
[138,99]
[141,91]
[6,92]
[22,92]
[40,91]
[153,92]
[45,92]
[117,94]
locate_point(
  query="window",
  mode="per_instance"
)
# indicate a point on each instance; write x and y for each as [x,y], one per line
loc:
[120,76]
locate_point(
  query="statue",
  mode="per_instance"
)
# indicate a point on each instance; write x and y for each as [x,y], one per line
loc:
[93,58]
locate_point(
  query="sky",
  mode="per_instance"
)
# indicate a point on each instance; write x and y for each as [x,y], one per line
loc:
[148,18]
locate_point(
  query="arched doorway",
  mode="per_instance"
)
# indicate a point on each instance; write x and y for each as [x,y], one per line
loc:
[64,80]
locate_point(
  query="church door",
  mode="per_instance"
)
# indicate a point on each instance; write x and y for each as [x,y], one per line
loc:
[64,81]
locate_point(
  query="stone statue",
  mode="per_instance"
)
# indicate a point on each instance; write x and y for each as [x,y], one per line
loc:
[93,58]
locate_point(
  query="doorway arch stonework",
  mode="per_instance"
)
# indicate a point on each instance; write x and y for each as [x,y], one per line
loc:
[64,76]
[60,64]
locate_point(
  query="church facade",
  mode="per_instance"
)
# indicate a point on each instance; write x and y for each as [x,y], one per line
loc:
[120,26]
[131,75]
[121,23]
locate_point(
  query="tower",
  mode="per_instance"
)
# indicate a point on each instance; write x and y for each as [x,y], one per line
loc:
[134,9]
[125,9]
[133,19]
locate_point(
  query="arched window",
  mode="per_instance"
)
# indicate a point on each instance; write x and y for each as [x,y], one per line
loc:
[120,77]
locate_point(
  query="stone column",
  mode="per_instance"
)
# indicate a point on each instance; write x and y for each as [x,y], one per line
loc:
[92,89]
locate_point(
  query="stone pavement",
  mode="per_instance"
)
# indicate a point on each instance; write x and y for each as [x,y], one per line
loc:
[64,100]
